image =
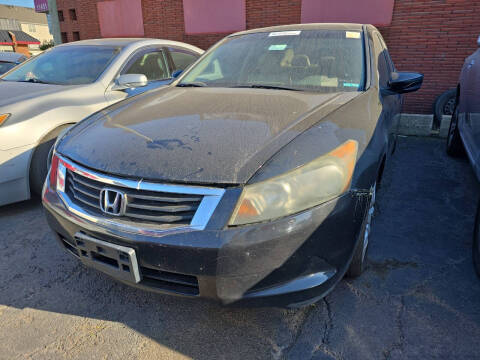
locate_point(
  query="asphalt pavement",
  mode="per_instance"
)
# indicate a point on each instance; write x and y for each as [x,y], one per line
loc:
[418,299]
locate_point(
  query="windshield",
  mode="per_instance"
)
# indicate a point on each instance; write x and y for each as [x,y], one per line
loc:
[5,66]
[309,60]
[69,65]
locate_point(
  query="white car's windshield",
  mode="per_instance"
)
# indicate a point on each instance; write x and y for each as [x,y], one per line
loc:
[5,66]
[309,60]
[68,65]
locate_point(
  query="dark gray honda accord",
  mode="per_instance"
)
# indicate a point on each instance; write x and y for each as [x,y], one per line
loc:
[250,180]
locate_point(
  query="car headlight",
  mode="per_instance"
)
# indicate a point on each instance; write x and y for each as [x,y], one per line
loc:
[316,182]
[3,118]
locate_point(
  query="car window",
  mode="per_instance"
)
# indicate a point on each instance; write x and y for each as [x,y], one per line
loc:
[308,60]
[182,58]
[65,65]
[150,64]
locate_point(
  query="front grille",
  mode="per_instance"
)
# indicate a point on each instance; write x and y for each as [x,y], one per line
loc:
[167,281]
[142,205]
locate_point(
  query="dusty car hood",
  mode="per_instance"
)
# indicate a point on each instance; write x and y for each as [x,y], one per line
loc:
[14,91]
[196,135]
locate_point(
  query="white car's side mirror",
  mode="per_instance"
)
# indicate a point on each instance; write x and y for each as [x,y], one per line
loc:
[128,81]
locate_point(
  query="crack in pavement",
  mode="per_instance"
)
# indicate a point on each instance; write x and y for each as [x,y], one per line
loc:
[328,323]
[305,333]
[323,347]
[399,344]
[306,314]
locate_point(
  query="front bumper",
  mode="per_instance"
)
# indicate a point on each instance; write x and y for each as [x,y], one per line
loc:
[14,184]
[291,261]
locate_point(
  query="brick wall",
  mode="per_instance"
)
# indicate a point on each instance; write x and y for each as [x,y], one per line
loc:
[429,36]
[433,37]
[87,18]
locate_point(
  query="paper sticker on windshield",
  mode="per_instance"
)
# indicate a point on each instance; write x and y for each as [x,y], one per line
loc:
[285,33]
[325,81]
[347,84]
[352,35]
[277,47]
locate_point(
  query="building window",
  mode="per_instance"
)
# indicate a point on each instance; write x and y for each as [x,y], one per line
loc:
[350,11]
[120,18]
[64,37]
[60,16]
[32,28]
[214,16]
[73,14]
[76,36]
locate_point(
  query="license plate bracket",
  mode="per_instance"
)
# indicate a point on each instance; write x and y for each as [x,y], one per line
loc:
[112,259]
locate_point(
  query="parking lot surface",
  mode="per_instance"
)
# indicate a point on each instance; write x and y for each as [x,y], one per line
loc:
[419,297]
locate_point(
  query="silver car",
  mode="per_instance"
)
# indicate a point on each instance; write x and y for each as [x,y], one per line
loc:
[9,60]
[464,134]
[45,95]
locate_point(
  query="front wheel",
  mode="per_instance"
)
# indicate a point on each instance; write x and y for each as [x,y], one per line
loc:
[357,266]
[454,141]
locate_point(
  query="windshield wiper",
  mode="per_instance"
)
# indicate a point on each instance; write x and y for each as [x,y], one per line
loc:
[36,81]
[260,86]
[192,84]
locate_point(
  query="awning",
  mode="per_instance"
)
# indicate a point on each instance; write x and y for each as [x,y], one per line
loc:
[21,37]
[5,38]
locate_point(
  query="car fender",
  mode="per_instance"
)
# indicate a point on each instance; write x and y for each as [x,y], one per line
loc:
[330,132]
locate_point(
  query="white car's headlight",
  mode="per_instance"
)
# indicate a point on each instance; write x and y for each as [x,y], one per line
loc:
[3,118]
[314,183]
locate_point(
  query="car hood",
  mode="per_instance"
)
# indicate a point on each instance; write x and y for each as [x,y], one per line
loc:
[196,135]
[12,92]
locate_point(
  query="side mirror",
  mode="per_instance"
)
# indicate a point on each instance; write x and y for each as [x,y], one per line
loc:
[404,82]
[478,41]
[176,73]
[128,81]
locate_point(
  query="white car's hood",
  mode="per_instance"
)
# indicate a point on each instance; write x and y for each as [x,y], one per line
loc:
[14,91]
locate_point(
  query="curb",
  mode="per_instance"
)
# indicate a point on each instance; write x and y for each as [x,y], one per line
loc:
[422,125]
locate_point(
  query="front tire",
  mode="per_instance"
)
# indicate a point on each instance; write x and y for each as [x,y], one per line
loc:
[357,266]
[444,104]
[454,141]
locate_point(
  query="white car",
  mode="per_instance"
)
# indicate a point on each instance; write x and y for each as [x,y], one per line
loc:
[45,95]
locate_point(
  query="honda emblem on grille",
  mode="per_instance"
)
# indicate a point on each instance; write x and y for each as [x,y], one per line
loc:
[112,202]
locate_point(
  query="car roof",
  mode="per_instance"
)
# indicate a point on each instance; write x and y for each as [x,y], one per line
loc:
[316,26]
[124,42]
[11,56]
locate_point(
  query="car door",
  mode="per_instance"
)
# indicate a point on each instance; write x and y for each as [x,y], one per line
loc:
[151,62]
[475,94]
[391,103]
[181,58]
[468,107]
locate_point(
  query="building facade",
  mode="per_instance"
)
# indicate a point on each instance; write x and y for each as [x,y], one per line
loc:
[29,28]
[428,36]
